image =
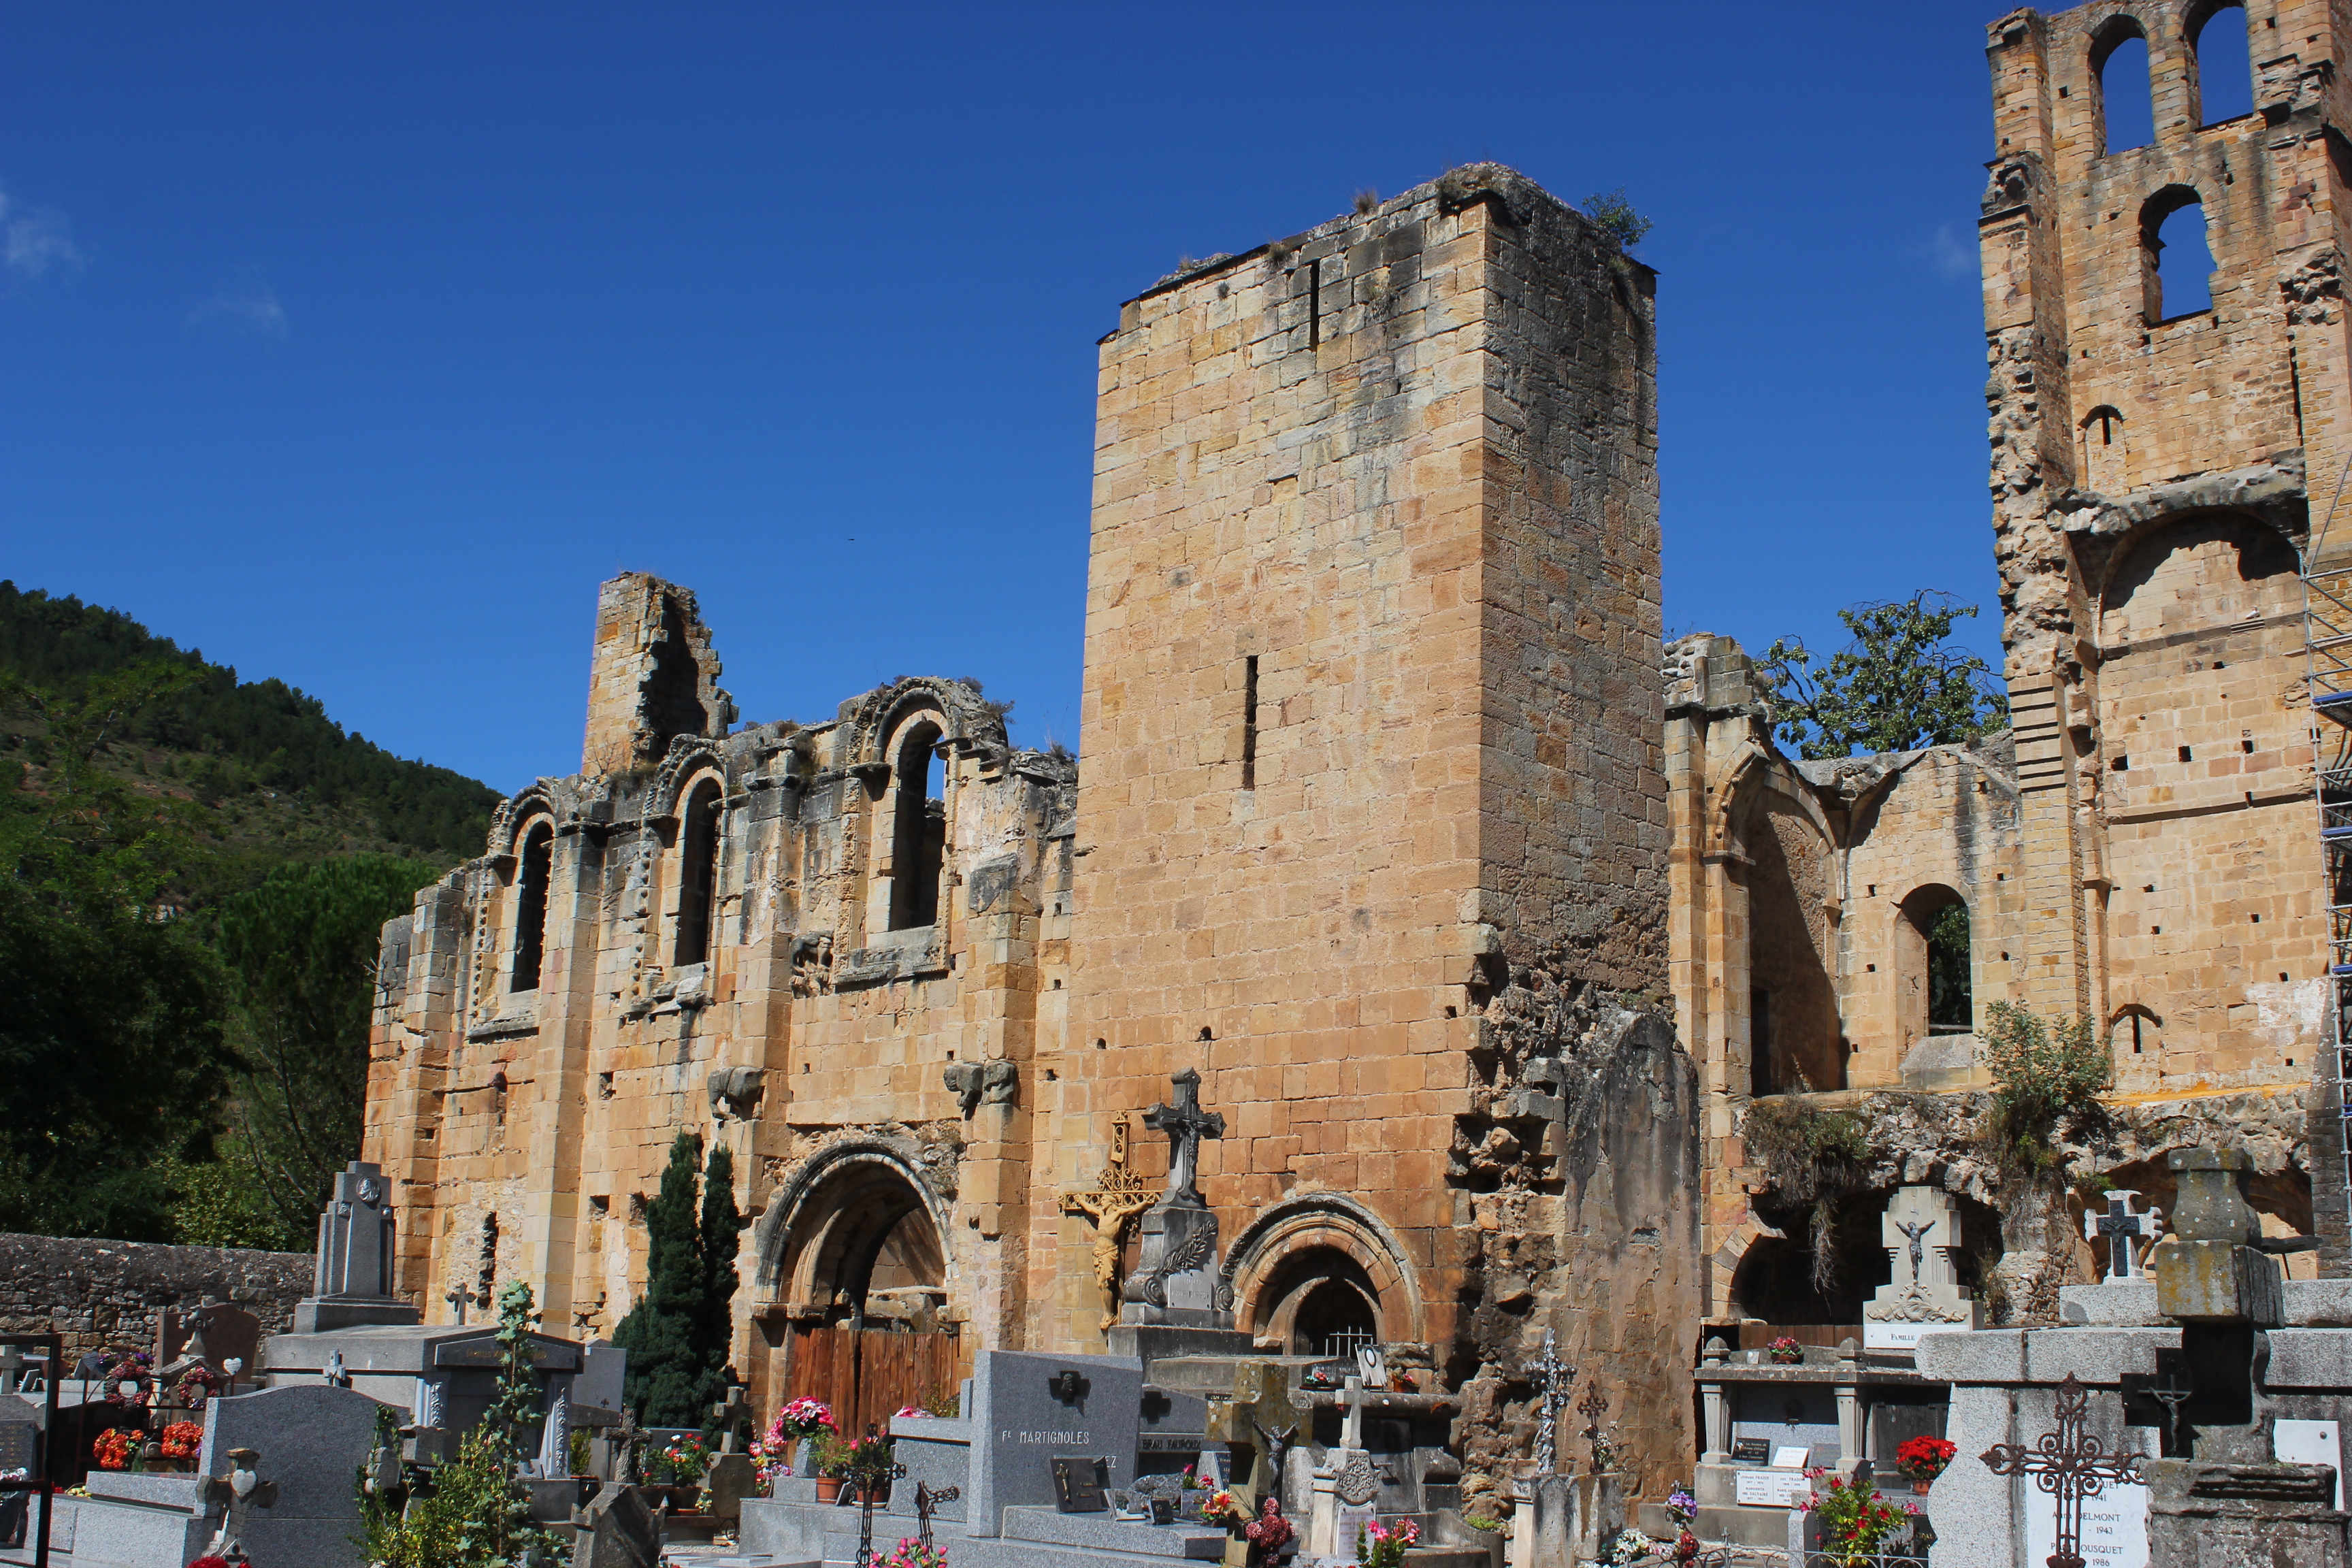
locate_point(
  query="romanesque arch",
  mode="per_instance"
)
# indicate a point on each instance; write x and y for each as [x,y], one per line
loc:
[857,1235]
[1318,1269]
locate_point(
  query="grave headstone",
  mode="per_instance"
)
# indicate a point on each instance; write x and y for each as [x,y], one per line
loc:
[312,1438]
[1175,1279]
[1921,1230]
[20,1446]
[1255,1425]
[1027,1409]
[616,1529]
[354,1280]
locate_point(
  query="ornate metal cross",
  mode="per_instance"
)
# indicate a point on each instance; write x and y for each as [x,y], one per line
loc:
[1186,1124]
[1592,1407]
[927,1499]
[2121,1228]
[2070,1464]
[871,1479]
[1552,1377]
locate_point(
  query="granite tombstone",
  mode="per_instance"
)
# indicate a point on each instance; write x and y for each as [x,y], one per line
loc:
[1027,1409]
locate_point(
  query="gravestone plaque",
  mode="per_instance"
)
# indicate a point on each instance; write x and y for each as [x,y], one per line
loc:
[1079,1481]
[20,1448]
[2115,1526]
[1025,1411]
[1750,1451]
[1771,1489]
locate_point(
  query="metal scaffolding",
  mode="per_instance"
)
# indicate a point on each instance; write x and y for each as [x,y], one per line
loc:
[2327,641]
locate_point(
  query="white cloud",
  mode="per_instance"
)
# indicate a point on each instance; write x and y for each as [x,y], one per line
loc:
[1947,256]
[33,240]
[256,312]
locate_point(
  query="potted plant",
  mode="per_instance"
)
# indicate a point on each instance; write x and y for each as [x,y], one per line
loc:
[1382,1545]
[1269,1534]
[1225,1511]
[828,1456]
[786,1443]
[1682,1508]
[872,1462]
[1923,1459]
[1785,1351]
[1854,1523]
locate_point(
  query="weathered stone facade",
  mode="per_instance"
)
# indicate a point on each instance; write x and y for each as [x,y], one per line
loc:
[1398,825]
[2142,850]
[1372,833]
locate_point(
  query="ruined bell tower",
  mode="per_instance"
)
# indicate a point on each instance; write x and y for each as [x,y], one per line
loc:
[2160,467]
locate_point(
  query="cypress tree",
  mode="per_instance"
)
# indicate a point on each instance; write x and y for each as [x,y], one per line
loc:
[677,1334]
[721,1228]
[664,1383]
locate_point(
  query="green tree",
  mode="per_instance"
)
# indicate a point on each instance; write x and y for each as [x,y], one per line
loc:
[110,1043]
[1901,685]
[301,955]
[677,1334]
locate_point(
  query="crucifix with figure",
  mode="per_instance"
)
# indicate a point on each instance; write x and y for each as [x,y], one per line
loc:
[1186,1124]
[1552,1377]
[2122,1228]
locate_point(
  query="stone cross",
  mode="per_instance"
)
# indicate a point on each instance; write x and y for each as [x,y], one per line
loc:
[1351,1430]
[1260,1418]
[2069,1465]
[236,1494]
[457,1298]
[1920,1230]
[1552,1377]
[2122,1228]
[355,1235]
[1186,1124]
[732,1417]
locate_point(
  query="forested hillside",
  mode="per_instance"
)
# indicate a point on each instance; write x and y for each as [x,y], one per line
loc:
[192,873]
[243,745]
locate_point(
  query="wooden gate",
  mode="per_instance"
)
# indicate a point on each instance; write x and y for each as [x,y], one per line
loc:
[866,1374]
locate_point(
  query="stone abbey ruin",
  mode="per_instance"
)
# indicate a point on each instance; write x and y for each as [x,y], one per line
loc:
[1518,966]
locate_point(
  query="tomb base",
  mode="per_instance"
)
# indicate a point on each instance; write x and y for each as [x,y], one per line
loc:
[2206,1515]
[321,1314]
[1152,1341]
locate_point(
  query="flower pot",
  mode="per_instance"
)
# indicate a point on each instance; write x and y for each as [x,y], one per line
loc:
[1921,1486]
[829,1488]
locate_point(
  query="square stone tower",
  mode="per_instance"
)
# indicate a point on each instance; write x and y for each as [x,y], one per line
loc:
[1373,715]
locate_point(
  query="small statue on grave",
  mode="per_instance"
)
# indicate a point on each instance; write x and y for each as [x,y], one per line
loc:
[236,1494]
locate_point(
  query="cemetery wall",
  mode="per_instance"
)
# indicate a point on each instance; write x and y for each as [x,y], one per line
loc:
[106,1295]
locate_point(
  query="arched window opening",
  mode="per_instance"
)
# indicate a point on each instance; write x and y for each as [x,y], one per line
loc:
[2180,262]
[918,838]
[530,907]
[1951,1003]
[1934,993]
[698,880]
[2103,452]
[2225,75]
[2126,100]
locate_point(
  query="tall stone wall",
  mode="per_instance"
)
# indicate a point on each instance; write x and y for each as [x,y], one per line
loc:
[1372,813]
[108,1295]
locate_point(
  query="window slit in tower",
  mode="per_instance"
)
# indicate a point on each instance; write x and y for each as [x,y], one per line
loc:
[1249,723]
[530,911]
[1314,304]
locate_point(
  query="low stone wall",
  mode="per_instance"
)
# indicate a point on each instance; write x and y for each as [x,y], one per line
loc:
[105,1294]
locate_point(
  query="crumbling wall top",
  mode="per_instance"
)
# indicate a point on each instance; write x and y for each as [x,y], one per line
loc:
[654,676]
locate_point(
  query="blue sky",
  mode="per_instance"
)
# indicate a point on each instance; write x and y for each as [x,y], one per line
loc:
[355,345]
